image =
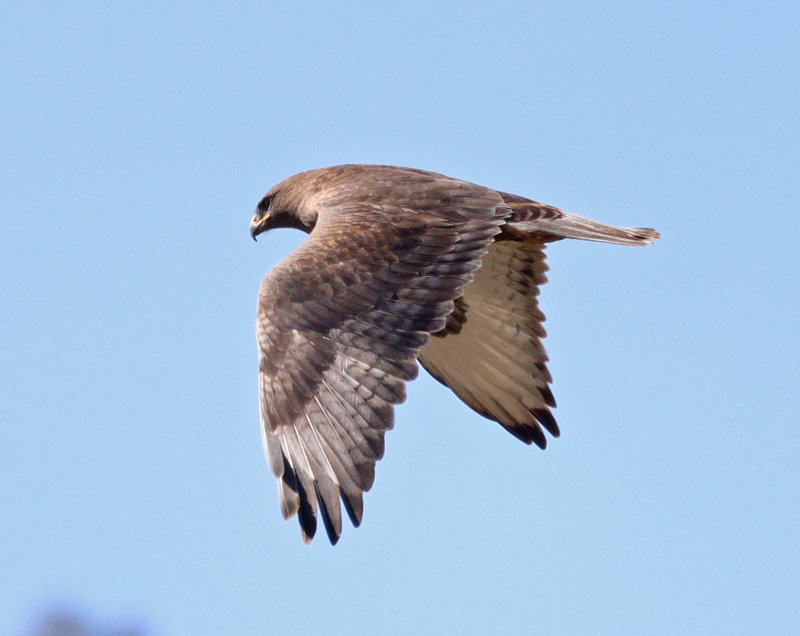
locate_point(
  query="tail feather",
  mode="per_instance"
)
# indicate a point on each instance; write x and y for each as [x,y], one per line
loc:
[573,226]
[532,217]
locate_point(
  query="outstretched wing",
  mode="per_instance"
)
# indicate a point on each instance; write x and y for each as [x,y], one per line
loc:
[491,351]
[340,324]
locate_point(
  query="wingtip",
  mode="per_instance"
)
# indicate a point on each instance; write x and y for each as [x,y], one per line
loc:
[354,506]
[546,419]
[331,514]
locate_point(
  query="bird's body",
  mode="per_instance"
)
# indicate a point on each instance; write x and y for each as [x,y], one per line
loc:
[401,265]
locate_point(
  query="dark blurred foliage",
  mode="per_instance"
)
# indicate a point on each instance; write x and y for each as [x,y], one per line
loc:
[64,621]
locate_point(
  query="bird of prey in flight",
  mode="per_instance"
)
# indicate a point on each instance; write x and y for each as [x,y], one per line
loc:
[400,266]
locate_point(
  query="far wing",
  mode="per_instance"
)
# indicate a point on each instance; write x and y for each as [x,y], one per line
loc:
[491,352]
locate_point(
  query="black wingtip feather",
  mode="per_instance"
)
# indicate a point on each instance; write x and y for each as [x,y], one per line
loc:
[545,417]
[530,434]
[333,535]
[306,515]
[354,512]
[547,396]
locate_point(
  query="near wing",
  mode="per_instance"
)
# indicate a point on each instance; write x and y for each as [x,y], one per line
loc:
[340,324]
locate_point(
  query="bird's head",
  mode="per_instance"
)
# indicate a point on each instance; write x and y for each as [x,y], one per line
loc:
[283,206]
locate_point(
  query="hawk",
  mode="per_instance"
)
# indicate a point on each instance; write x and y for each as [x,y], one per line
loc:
[400,266]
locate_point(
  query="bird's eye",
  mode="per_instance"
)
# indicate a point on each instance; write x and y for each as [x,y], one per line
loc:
[263,205]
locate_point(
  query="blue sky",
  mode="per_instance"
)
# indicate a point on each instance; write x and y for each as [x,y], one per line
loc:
[137,139]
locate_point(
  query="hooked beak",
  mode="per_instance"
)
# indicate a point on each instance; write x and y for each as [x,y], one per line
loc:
[257,224]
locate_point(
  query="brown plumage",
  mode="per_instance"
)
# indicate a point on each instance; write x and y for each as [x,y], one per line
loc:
[401,266]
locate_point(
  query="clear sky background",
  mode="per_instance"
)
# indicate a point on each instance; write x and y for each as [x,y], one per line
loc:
[137,139]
